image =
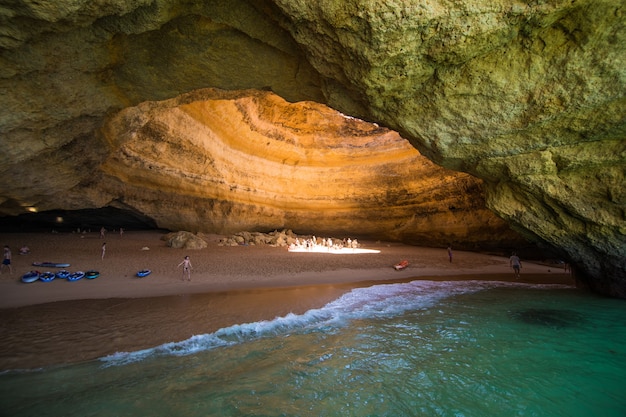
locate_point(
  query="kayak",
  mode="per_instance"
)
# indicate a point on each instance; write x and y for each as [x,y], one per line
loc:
[75,276]
[401,265]
[30,276]
[144,273]
[91,274]
[46,276]
[51,264]
[63,274]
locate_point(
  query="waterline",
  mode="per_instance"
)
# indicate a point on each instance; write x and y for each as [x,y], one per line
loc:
[423,348]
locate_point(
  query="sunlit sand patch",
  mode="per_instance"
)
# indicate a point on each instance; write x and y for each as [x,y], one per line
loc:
[337,251]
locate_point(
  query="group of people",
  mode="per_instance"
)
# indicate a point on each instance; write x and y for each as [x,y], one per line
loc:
[328,243]
[103,232]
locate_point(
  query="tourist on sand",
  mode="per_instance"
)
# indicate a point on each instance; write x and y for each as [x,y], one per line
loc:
[24,250]
[104,249]
[450,253]
[515,263]
[121,232]
[186,263]
[6,260]
[102,232]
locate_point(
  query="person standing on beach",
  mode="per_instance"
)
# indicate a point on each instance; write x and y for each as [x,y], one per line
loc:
[515,263]
[450,253]
[104,249]
[102,232]
[186,263]
[6,260]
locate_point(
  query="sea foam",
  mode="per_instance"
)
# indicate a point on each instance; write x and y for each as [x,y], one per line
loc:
[377,301]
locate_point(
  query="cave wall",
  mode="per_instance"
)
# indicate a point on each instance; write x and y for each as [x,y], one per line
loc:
[223,162]
[528,97]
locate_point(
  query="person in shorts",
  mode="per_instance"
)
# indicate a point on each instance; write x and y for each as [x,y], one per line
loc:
[6,259]
[516,264]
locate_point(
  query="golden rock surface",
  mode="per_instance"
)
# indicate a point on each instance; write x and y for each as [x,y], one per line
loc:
[224,162]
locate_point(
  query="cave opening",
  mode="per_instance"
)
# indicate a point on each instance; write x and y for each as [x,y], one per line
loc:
[110,218]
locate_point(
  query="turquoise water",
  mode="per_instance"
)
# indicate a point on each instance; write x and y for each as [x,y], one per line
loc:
[416,349]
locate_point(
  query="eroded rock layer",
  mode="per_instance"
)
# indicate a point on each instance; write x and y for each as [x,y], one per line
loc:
[528,97]
[215,161]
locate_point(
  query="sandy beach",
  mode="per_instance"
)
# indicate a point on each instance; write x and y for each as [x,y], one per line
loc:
[221,268]
[61,321]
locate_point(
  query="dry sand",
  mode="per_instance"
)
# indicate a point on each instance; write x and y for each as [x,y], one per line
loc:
[219,268]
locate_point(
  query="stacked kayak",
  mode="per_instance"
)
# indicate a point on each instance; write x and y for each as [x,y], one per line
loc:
[48,276]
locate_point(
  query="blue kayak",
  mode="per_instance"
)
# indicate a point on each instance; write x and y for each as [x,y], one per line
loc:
[30,276]
[63,274]
[51,264]
[75,276]
[91,274]
[144,273]
[46,276]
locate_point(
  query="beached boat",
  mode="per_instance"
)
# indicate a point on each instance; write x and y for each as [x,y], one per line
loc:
[46,276]
[75,276]
[401,265]
[91,274]
[63,274]
[30,276]
[144,273]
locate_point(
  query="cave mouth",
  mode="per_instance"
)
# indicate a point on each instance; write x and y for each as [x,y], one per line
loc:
[549,317]
[71,220]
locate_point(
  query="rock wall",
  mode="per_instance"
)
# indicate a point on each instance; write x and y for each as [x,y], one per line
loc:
[222,162]
[527,96]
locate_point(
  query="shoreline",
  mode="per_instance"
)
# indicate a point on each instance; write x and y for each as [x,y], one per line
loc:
[59,322]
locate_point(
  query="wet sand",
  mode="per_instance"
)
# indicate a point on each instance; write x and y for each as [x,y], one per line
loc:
[63,322]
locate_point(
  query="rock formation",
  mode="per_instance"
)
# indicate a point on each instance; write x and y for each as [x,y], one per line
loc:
[222,162]
[528,97]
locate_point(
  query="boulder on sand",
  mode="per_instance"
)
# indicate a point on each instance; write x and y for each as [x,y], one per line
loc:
[184,240]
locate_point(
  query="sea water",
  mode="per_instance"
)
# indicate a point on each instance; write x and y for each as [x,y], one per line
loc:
[423,348]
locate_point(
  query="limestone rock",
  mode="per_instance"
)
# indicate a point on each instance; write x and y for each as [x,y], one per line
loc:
[184,240]
[221,162]
[529,97]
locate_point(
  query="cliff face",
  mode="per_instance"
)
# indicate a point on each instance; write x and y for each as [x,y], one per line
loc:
[527,97]
[216,161]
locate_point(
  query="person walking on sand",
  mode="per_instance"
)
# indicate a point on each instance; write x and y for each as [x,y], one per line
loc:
[516,264]
[102,232]
[6,260]
[104,249]
[186,263]
[450,253]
